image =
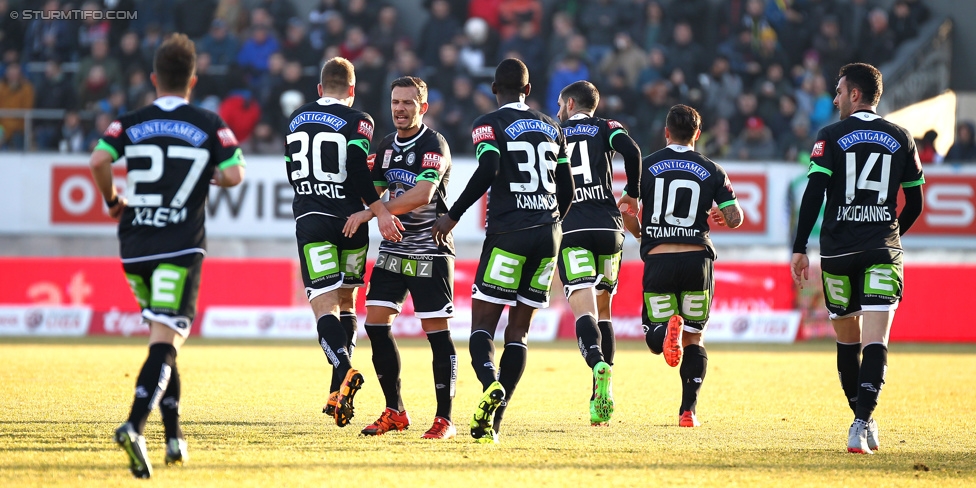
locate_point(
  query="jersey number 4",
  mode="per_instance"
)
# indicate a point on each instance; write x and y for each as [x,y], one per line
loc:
[855,183]
[540,169]
[199,156]
[584,158]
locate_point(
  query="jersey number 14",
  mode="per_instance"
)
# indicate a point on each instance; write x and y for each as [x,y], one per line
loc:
[855,183]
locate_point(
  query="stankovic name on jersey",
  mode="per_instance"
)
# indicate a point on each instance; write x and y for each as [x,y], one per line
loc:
[660,232]
[863,213]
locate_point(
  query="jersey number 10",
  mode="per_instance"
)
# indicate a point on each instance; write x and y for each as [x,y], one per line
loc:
[672,200]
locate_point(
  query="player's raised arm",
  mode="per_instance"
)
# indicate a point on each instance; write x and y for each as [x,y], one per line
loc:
[565,183]
[230,171]
[362,182]
[487,154]
[621,142]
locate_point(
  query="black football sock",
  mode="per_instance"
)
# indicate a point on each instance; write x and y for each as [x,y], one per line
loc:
[874,365]
[588,339]
[608,344]
[386,360]
[481,345]
[510,369]
[654,338]
[692,371]
[333,341]
[169,408]
[445,370]
[848,369]
[152,383]
[350,324]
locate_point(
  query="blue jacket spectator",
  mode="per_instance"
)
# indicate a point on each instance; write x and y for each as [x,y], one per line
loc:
[257,49]
[570,69]
[219,44]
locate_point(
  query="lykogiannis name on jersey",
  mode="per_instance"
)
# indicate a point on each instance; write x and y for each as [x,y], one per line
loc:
[679,165]
[323,118]
[581,130]
[522,126]
[872,136]
[172,128]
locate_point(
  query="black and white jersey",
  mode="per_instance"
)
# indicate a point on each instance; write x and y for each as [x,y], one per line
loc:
[398,165]
[867,159]
[171,149]
[678,186]
[320,135]
[590,155]
[529,144]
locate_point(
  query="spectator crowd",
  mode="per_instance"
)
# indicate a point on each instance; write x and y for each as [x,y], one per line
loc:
[761,72]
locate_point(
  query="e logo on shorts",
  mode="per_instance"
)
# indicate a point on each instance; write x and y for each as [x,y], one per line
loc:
[579,263]
[694,305]
[660,306]
[881,279]
[321,258]
[837,289]
[504,269]
[542,279]
[167,286]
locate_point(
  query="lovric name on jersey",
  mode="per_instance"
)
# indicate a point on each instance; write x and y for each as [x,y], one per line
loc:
[328,190]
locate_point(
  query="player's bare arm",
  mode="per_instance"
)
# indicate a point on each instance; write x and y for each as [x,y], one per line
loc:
[101,168]
[628,205]
[413,198]
[228,177]
[730,216]
[632,224]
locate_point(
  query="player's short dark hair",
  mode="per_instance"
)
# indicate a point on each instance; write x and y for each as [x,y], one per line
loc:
[865,78]
[683,122]
[338,74]
[414,82]
[583,92]
[174,63]
[511,76]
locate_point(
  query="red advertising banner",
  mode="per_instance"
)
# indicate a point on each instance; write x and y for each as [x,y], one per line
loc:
[950,206]
[74,197]
[751,193]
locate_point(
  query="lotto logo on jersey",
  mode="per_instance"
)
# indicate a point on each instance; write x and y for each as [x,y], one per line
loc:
[431,160]
[114,129]
[613,124]
[227,138]
[818,149]
[366,129]
[482,133]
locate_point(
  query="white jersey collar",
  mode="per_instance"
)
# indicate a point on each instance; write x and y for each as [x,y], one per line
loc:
[398,142]
[515,105]
[169,103]
[328,101]
[866,116]
[679,148]
[580,116]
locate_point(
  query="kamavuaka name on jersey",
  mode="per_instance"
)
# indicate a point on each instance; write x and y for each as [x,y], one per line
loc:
[872,136]
[679,165]
[158,217]
[521,126]
[592,192]
[167,128]
[581,130]
[333,121]
[545,201]
[863,213]
[661,232]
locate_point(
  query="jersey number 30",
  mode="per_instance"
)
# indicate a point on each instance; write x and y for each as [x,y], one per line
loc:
[318,171]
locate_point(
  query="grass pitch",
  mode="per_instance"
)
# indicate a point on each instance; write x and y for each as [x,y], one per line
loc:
[771,415]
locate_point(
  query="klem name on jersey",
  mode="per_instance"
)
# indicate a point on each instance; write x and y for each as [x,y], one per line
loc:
[680,165]
[521,126]
[167,128]
[581,130]
[872,136]
[158,217]
[863,213]
[333,121]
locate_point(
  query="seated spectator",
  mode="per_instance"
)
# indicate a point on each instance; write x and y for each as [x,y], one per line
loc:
[782,118]
[529,44]
[219,44]
[113,104]
[651,30]
[49,37]
[94,27]
[716,141]
[683,90]
[834,50]
[878,44]
[476,48]
[963,150]
[11,30]
[292,89]
[651,118]
[130,55]
[655,69]
[359,14]
[71,135]
[823,111]
[769,89]
[459,114]
[386,31]
[439,29]
[562,30]
[256,50]
[903,23]
[625,58]
[513,13]
[234,16]
[110,70]
[139,85]
[102,121]
[755,143]
[15,92]
[927,153]
[279,11]
[684,52]
[354,44]
[193,17]
[442,74]
[721,87]
[566,71]
[747,106]
[598,20]
[58,93]
[770,52]
[372,90]
[486,10]
[742,59]
[617,100]
[151,40]
[796,143]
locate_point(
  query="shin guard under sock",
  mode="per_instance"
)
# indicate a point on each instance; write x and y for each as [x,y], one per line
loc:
[874,365]
[333,341]
[445,370]
[152,383]
[481,345]
[608,344]
[386,360]
[588,339]
[848,369]
[693,364]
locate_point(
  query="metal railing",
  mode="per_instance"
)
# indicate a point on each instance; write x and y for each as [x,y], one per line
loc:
[31,114]
[922,68]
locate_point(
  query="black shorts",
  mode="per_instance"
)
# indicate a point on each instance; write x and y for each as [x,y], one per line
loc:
[590,259]
[518,266]
[870,281]
[429,279]
[167,289]
[678,284]
[328,258]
